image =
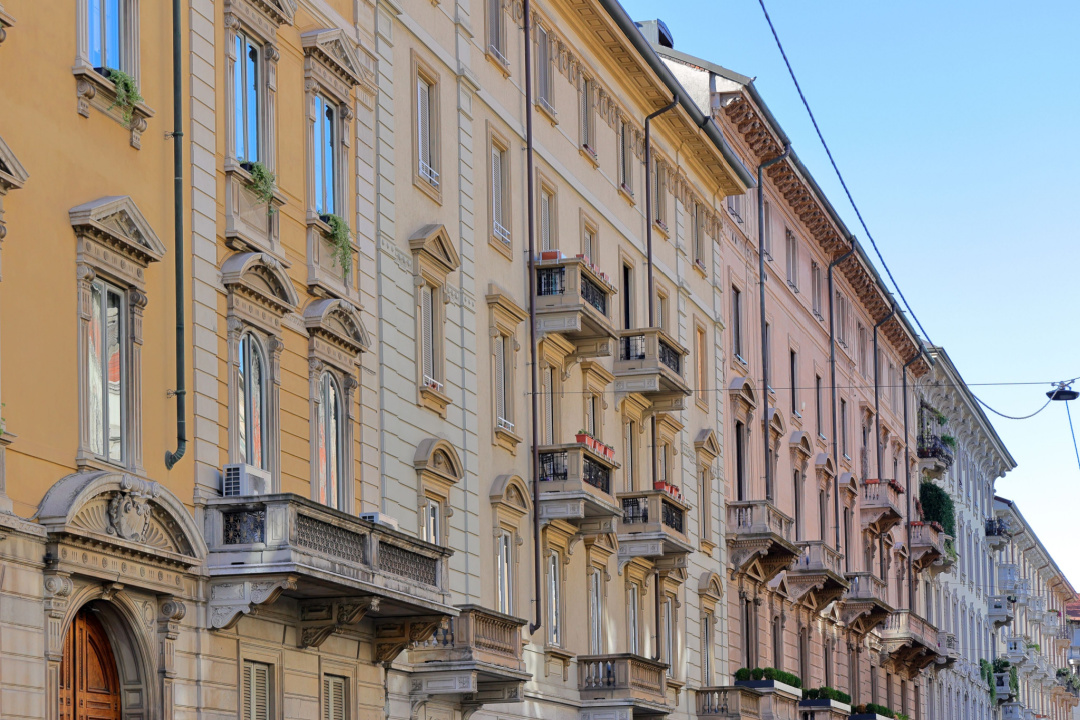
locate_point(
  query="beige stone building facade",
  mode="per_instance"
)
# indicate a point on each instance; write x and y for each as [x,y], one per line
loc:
[476,414]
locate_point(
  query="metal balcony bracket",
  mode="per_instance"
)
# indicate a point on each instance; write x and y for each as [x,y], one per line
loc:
[319,619]
[232,599]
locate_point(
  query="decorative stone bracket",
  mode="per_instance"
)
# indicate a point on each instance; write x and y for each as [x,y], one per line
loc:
[394,636]
[230,600]
[319,619]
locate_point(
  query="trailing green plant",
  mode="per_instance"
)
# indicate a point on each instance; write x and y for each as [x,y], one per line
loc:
[1014,681]
[1001,665]
[127,93]
[341,240]
[1062,672]
[902,716]
[1073,683]
[263,184]
[986,672]
[1034,646]
[941,419]
[949,441]
[937,506]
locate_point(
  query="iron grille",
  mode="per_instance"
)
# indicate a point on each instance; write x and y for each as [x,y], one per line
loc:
[243,527]
[597,475]
[406,563]
[552,466]
[322,537]
[594,295]
[632,347]
[670,357]
[635,510]
[552,281]
[672,516]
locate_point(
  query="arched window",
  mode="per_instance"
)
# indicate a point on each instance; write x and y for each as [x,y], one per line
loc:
[252,402]
[330,443]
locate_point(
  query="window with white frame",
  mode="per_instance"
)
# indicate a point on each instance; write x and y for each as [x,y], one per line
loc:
[247,105]
[766,228]
[500,192]
[431,530]
[334,698]
[844,428]
[255,687]
[596,611]
[325,157]
[434,258]
[330,443]
[428,350]
[863,349]
[107,370]
[841,320]
[633,620]
[669,636]
[426,125]
[588,242]
[735,207]
[252,407]
[660,196]
[587,107]
[504,569]
[707,651]
[547,405]
[554,600]
[496,31]
[701,364]
[816,289]
[548,232]
[630,450]
[591,408]
[105,34]
[697,228]
[792,247]
[504,352]
[894,387]
[626,158]
[545,91]
[736,324]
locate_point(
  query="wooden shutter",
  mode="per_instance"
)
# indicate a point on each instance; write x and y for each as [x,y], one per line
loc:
[333,697]
[500,378]
[256,691]
[427,339]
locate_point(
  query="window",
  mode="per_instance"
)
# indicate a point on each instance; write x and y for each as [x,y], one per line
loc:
[662,310]
[105,33]
[246,106]
[334,697]
[660,196]
[894,387]
[844,428]
[587,105]
[706,651]
[590,415]
[747,607]
[793,379]
[256,689]
[797,491]
[496,29]
[669,636]
[766,229]
[768,354]
[628,297]
[503,417]
[107,367]
[596,612]
[547,407]
[777,644]
[701,361]
[545,92]
[734,206]
[841,320]
[330,443]
[630,445]
[426,107]
[633,610]
[823,515]
[588,242]
[804,652]
[554,598]
[252,402]
[504,568]
[427,334]
[662,462]
[431,531]
[500,193]
[548,232]
[740,461]
[792,248]
[816,289]
[818,406]
[736,325]
[325,158]
[698,231]
[626,158]
[828,662]
[863,349]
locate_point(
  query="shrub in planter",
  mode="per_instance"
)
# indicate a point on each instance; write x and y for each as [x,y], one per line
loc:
[742,674]
[757,674]
[937,507]
[783,677]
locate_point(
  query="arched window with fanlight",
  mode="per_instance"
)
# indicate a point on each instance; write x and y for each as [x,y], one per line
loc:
[330,443]
[251,406]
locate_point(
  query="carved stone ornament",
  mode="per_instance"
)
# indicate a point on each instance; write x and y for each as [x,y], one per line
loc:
[229,601]
[129,516]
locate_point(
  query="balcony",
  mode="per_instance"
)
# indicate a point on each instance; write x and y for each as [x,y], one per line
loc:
[608,682]
[997,532]
[576,485]
[1008,578]
[479,651]
[935,457]
[337,567]
[1023,591]
[759,539]
[651,363]
[1016,651]
[909,639]
[653,524]
[574,299]
[728,703]
[1000,611]
[1073,655]
[881,509]
[817,570]
[927,545]
[1013,711]
[865,605]
[948,649]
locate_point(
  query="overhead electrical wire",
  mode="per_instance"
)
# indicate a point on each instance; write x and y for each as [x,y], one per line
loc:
[836,169]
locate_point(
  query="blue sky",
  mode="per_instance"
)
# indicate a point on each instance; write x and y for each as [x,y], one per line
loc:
[955,127]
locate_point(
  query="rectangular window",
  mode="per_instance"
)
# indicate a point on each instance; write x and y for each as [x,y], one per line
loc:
[768,354]
[863,349]
[816,289]
[736,324]
[496,31]
[793,379]
[325,157]
[104,33]
[660,196]
[662,462]
[588,243]
[894,388]
[547,388]
[628,296]
[734,206]
[334,702]
[669,637]
[547,219]
[544,76]
[843,428]
[256,691]
[633,603]
[554,601]
[586,104]
[107,370]
[700,356]
[596,613]
[792,248]
[427,336]
[432,530]
[626,158]
[817,406]
[630,445]
[698,232]
[590,415]
[246,98]
[504,573]
[766,228]
[740,461]
[425,127]
[707,651]
[500,195]
[662,311]
[503,417]
[841,320]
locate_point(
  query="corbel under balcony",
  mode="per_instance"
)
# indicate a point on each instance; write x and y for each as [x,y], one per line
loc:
[880,507]
[909,641]
[759,539]
[653,525]
[816,573]
[864,606]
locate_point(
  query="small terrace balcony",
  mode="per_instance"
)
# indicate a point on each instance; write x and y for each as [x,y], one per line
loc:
[651,363]
[1016,651]
[1013,711]
[1023,591]
[479,651]
[1000,611]
[935,455]
[1072,655]
[997,532]
[576,484]
[1008,578]
[865,605]
[609,682]
[881,508]
[910,639]
[653,524]
[338,567]
[573,298]
[728,703]
[817,570]
[759,537]
[948,649]
[927,544]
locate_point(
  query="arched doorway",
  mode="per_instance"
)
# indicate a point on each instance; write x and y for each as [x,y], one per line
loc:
[89,684]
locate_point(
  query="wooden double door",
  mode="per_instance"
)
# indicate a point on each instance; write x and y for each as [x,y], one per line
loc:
[89,685]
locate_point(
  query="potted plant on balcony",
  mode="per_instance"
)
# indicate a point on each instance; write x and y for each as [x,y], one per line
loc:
[870,711]
[826,697]
[551,255]
[769,678]
[584,438]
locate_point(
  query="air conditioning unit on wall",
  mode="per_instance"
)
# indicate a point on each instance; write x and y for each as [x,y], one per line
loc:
[380,518]
[241,480]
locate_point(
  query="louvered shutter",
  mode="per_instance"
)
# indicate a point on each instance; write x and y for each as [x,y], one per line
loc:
[423,122]
[589,240]
[256,691]
[542,64]
[586,139]
[500,378]
[545,221]
[333,697]
[426,335]
[497,189]
[495,24]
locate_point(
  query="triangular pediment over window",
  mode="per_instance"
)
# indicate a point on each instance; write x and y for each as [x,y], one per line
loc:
[434,242]
[334,50]
[707,443]
[117,222]
[12,173]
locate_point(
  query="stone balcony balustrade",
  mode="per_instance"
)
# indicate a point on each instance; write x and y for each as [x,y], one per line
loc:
[759,537]
[910,639]
[1000,611]
[576,484]
[865,605]
[574,299]
[927,545]
[880,506]
[622,681]
[817,570]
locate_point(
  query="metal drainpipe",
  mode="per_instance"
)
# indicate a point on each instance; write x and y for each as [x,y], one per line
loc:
[877,395]
[761,292]
[534,370]
[652,311]
[832,376]
[907,480]
[177,135]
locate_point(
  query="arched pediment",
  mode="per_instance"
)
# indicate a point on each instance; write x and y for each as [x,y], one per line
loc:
[339,322]
[824,464]
[438,457]
[776,422]
[707,443]
[12,173]
[742,389]
[260,277]
[121,509]
[711,586]
[847,481]
[333,49]
[800,444]
[116,222]
[433,242]
[511,491]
